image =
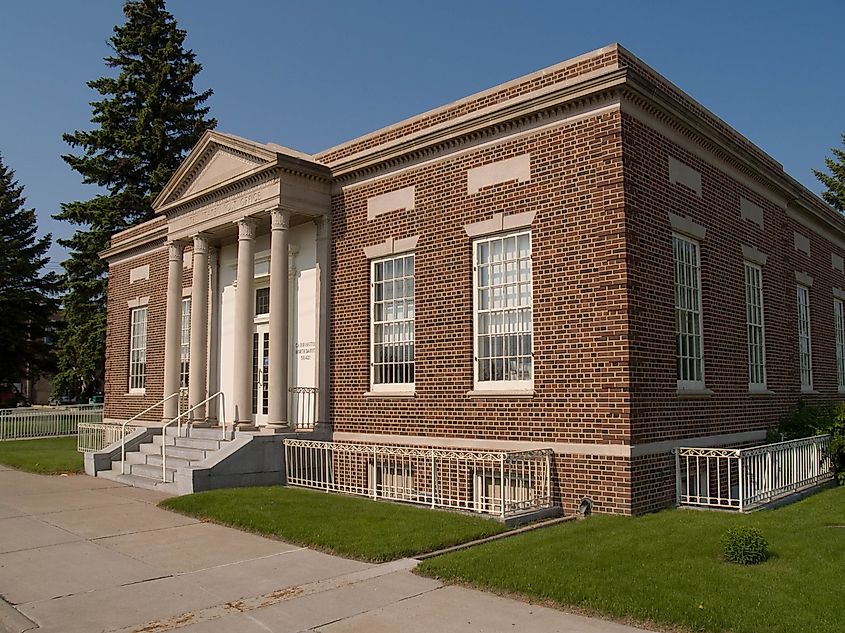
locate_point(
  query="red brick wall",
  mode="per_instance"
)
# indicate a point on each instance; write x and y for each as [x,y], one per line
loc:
[658,412]
[119,403]
[580,316]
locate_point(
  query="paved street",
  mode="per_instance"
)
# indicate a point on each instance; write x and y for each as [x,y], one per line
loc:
[79,554]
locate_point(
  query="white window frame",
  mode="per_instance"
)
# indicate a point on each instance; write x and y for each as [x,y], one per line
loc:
[685,384]
[502,385]
[805,370]
[839,326]
[138,349]
[754,307]
[394,387]
[185,343]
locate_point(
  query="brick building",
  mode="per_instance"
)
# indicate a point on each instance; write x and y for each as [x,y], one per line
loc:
[582,259]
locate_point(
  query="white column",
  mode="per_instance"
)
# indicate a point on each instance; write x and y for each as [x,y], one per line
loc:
[198,370]
[213,410]
[279,324]
[244,319]
[172,328]
[324,233]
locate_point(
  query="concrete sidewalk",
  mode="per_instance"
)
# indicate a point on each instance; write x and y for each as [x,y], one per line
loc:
[79,554]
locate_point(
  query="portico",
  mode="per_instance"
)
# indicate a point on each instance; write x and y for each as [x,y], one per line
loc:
[249,221]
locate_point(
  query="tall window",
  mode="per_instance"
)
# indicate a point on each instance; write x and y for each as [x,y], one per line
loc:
[503,311]
[392,333]
[138,350]
[839,324]
[688,336]
[805,352]
[754,326]
[185,344]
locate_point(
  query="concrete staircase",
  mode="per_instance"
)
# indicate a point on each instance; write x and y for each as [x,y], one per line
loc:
[144,460]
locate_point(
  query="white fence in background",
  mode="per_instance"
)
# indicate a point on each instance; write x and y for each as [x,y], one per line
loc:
[95,436]
[748,478]
[34,422]
[303,406]
[500,483]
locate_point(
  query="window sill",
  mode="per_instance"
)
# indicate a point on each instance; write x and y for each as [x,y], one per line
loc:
[501,393]
[809,392]
[136,392]
[841,389]
[694,392]
[760,391]
[390,394]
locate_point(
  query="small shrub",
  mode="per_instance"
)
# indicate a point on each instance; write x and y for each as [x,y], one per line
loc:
[745,546]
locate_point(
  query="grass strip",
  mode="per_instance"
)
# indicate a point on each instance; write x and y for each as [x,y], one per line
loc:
[48,456]
[667,568]
[353,527]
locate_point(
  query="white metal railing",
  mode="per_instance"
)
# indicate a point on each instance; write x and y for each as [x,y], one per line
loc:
[178,421]
[747,478]
[34,422]
[123,425]
[95,436]
[303,406]
[500,483]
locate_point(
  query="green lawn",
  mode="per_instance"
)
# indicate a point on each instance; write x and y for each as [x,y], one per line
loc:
[666,568]
[49,456]
[348,526]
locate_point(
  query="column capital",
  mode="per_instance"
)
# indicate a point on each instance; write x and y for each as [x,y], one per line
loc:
[200,243]
[175,248]
[246,228]
[279,219]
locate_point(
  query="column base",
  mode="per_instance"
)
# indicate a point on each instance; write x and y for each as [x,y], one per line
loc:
[245,425]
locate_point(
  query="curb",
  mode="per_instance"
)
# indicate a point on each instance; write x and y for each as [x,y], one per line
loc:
[12,620]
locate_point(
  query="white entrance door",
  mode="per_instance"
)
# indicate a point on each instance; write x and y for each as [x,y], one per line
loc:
[260,373]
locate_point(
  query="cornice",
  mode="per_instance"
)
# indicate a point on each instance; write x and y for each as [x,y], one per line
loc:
[509,115]
[141,242]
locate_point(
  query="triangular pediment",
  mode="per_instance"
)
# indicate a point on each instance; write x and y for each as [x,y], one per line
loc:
[216,159]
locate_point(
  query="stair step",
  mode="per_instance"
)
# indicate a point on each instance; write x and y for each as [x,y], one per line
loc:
[194,442]
[158,440]
[172,461]
[137,481]
[150,448]
[152,472]
[136,457]
[204,433]
[194,454]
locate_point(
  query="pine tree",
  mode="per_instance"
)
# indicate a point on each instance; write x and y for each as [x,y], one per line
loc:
[835,181]
[26,303]
[147,120]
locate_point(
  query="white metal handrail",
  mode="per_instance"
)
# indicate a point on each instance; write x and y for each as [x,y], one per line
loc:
[746,478]
[501,483]
[178,420]
[132,419]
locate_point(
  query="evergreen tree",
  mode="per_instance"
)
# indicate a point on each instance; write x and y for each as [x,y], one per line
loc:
[147,120]
[26,303]
[835,181]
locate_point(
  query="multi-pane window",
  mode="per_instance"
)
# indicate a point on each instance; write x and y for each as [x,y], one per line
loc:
[754,326]
[185,343]
[839,324]
[805,353]
[688,336]
[262,301]
[138,349]
[392,359]
[503,311]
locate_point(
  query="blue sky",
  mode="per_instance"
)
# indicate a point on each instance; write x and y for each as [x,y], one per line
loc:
[313,74]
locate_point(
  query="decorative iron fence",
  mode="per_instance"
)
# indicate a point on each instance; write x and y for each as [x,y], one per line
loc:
[36,422]
[501,483]
[748,478]
[304,402]
[95,436]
